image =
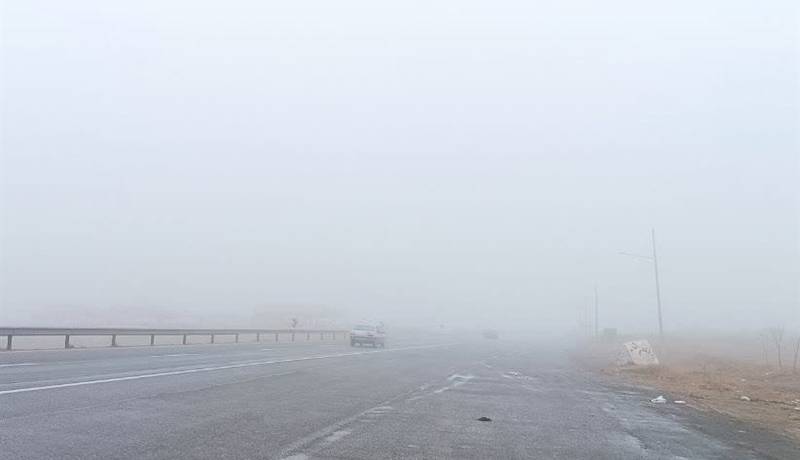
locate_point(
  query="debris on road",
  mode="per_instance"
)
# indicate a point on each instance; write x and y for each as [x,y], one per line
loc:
[659,400]
[484,419]
[744,398]
[680,402]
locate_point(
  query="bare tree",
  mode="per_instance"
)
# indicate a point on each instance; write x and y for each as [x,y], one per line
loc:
[776,333]
[764,347]
[796,354]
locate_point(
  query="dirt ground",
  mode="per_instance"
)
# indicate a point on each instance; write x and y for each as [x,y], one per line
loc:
[731,375]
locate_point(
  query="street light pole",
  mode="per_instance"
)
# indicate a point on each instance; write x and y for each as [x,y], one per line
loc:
[654,259]
[658,285]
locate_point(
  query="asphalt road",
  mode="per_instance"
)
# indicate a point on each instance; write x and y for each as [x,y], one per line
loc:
[329,401]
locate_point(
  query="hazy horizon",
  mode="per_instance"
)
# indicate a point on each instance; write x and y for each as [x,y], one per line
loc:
[461,163]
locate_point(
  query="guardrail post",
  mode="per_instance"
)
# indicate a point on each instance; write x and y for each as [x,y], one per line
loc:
[113,340]
[212,338]
[152,339]
[9,339]
[276,336]
[237,338]
[308,336]
[184,339]
[322,336]
[292,336]
[66,341]
[258,337]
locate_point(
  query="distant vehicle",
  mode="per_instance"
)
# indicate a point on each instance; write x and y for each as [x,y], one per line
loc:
[368,334]
[491,334]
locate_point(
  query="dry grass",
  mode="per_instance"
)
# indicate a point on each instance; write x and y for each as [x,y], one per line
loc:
[715,373]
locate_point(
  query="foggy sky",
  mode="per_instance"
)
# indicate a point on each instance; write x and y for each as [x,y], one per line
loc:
[457,162]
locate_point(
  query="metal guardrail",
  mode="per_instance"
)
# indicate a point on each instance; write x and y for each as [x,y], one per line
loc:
[11,332]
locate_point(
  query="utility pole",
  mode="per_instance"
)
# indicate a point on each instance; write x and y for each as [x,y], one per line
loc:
[658,285]
[596,314]
[654,259]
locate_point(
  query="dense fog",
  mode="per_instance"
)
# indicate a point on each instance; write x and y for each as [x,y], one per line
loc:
[450,164]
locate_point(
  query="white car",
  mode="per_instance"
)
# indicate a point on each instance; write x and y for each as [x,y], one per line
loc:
[368,334]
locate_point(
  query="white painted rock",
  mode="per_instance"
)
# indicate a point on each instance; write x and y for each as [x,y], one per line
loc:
[637,353]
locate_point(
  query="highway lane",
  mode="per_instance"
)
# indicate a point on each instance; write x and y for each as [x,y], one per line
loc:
[327,400]
[39,367]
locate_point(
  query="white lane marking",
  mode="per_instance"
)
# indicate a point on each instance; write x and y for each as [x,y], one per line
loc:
[457,380]
[208,369]
[267,349]
[336,435]
[175,355]
[306,442]
[377,412]
[18,364]
[382,409]
[98,376]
